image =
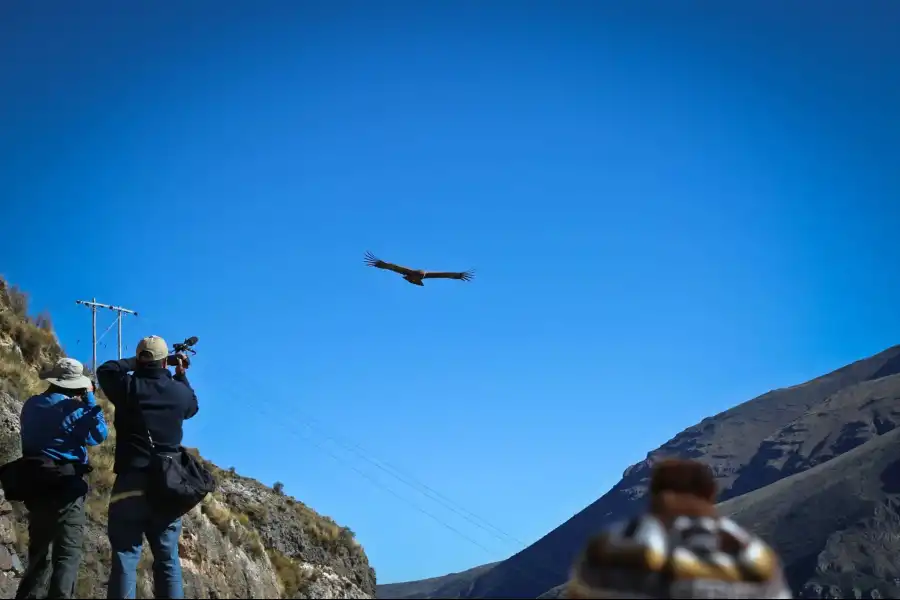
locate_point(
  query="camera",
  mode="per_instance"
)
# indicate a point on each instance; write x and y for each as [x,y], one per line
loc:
[182,348]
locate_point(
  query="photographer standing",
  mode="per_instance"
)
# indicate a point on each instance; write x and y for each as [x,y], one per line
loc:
[155,402]
[56,428]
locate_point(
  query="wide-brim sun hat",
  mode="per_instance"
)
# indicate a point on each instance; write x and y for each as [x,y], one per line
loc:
[67,373]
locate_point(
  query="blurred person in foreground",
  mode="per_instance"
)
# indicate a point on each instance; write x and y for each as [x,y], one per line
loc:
[151,407]
[56,428]
[680,548]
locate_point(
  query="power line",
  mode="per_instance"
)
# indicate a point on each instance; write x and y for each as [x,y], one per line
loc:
[387,489]
[530,574]
[410,481]
[379,484]
[111,325]
[94,305]
[429,492]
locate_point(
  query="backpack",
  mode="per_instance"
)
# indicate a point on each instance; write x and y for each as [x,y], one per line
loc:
[177,481]
[39,479]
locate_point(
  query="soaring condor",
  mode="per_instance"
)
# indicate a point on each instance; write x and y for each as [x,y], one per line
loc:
[416,276]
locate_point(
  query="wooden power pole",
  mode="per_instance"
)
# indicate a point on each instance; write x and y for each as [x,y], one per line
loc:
[94,305]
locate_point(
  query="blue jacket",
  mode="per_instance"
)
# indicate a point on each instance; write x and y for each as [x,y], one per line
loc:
[61,427]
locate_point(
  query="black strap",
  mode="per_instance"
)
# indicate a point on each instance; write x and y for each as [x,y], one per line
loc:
[128,401]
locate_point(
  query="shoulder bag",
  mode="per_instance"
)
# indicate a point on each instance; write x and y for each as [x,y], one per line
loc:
[178,481]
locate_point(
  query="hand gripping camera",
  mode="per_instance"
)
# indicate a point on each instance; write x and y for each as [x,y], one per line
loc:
[183,348]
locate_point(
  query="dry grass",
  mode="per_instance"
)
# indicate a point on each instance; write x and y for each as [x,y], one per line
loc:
[233,525]
[294,578]
[102,458]
[320,528]
[21,538]
[33,335]
[218,514]
[14,298]
[91,566]
[16,378]
[324,530]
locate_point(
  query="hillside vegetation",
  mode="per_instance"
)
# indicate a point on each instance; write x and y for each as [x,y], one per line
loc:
[244,541]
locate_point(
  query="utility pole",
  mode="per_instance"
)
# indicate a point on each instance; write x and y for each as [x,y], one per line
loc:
[94,305]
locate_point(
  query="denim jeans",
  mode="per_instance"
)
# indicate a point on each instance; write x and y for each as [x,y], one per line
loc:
[59,526]
[131,517]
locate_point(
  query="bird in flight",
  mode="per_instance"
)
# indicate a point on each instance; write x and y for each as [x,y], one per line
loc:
[415,276]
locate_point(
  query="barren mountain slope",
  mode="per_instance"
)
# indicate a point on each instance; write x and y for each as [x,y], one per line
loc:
[453,585]
[836,525]
[841,422]
[727,442]
[738,444]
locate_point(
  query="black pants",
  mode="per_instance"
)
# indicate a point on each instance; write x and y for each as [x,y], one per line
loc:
[62,527]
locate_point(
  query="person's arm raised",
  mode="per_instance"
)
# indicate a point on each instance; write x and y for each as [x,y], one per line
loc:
[112,376]
[181,366]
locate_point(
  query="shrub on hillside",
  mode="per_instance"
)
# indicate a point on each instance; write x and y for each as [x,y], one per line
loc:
[44,322]
[15,299]
[295,579]
[34,337]
[15,378]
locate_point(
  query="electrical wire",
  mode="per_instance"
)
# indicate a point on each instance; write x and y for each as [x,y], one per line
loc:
[529,574]
[416,484]
[116,320]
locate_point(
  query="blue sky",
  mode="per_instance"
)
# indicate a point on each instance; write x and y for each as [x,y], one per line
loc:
[669,210]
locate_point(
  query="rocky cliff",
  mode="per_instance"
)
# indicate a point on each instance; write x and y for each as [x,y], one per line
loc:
[244,541]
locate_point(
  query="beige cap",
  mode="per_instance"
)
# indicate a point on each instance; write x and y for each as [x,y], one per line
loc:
[67,373]
[152,348]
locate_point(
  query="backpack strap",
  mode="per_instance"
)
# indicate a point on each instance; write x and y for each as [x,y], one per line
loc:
[137,405]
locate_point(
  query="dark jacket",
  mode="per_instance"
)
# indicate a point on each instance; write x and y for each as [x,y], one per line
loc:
[166,400]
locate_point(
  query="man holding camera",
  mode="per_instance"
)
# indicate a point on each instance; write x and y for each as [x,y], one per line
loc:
[56,428]
[151,407]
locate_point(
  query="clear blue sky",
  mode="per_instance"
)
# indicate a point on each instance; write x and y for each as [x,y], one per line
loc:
[670,211]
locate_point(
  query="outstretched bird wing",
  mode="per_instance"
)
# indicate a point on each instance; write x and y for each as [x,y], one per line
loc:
[372,261]
[463,275]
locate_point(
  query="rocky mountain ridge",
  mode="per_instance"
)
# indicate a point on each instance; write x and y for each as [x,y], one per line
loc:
[808,466]
[452,585]
[244,541]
